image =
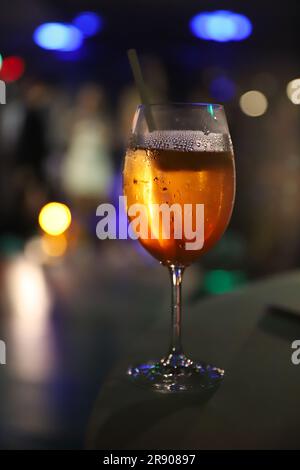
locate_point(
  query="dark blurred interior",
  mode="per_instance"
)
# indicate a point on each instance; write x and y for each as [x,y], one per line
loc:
[68,302]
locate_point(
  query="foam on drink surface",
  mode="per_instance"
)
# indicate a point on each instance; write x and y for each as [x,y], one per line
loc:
[183,141]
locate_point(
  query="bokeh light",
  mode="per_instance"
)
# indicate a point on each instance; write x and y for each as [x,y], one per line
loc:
[12,69]
[1,60]
[54,246]
[293,90]
[55,218]
[88,22]
[41,249]
[221,26]
[222,88]
[219,281]
[253,103]
[58,36]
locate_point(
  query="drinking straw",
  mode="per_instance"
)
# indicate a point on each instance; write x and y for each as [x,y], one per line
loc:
[141,86]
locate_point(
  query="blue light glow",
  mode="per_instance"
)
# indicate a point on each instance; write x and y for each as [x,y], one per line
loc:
[88,22]
[58,37]
[222,89]
[221,26]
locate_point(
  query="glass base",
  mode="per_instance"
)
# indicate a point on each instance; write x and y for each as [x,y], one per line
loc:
[176,373]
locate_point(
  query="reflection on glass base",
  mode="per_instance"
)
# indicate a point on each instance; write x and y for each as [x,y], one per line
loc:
[176,373]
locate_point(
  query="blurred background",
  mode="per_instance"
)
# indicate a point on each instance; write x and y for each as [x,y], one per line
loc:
[69,302]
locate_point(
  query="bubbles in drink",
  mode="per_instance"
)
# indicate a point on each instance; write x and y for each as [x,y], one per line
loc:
[183,141]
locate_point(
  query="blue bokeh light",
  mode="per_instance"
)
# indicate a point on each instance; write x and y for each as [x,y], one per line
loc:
[88,22]
[58,37]
[221,26]
[222,88]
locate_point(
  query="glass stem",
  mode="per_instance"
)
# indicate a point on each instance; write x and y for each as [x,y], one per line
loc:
[176,273]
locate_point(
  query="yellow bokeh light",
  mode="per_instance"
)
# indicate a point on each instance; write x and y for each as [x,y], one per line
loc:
[253,103]
[293,90]
[54,245]
[55,218]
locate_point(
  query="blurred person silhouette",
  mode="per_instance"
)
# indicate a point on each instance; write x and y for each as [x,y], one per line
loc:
[11,123]
[87,169]
[32,153]
[24,127]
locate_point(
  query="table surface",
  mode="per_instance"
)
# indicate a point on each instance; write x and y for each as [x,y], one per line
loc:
[71,331]
[249,333]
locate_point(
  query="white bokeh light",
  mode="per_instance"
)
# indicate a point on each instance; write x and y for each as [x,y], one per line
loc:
[253,103]
[293,90]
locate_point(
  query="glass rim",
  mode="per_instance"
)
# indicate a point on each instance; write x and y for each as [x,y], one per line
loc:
[181,104]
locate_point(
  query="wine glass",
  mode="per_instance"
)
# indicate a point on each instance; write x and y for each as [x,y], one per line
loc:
[179,154]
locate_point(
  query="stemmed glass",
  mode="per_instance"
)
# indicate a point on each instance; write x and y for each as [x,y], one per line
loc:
[180,154]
